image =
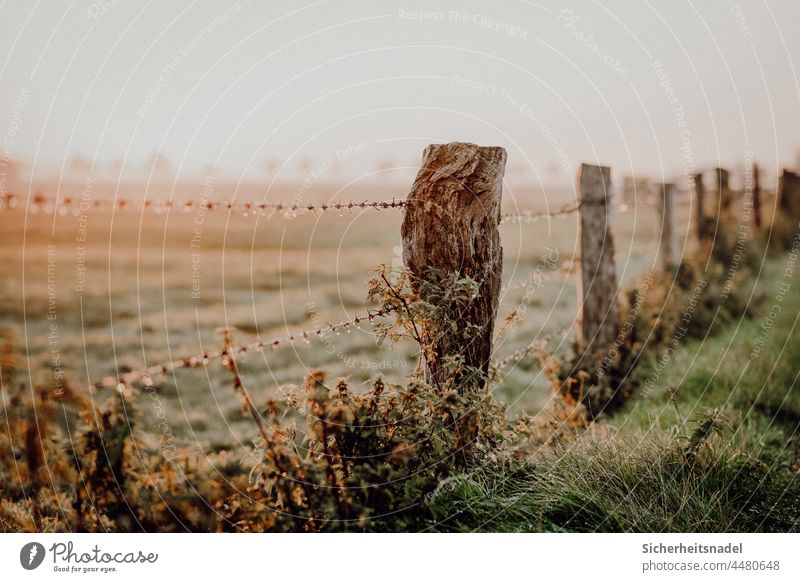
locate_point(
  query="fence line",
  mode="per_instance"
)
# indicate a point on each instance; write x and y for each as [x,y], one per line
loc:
[67,204]
[459,187]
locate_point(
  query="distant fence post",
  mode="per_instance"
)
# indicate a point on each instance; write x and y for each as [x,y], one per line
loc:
[756,192]
[723,190]
[451,225]
[597,286]
[700,210]
[789,195]
[629,191]
[666,243]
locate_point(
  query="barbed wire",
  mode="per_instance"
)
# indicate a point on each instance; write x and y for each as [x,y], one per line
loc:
[530,216]
[517,355]
[146,374]
[76,205]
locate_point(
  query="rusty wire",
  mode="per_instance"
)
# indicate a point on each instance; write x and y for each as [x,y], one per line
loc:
[146,374]
[75,205]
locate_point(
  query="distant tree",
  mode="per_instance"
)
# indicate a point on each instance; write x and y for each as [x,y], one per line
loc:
[553,169]
[80,164]
[272,165]
[116,167]
[385,165]
[160,164]
[305,165]
[517,168]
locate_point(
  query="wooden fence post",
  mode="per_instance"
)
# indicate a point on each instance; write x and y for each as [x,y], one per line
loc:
[756,192]
[789,195]
[723,190]
[666,244]
[451,225]
[629,191]
[597,285]
[700,216]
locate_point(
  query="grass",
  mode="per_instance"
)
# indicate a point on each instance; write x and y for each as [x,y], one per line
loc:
[712,448]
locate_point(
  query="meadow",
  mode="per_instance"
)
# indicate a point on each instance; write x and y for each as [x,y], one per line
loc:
[110,290]
[691,427]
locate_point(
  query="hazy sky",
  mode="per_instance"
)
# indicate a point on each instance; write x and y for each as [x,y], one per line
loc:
[641,85]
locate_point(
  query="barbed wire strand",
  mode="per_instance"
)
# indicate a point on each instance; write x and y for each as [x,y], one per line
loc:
[529,216]
[76,205]
[146,374]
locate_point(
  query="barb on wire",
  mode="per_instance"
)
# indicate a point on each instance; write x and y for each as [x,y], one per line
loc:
[514,357]
[77,205]
[146,374]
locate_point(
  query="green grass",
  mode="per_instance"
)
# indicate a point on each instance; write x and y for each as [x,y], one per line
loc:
[712,447]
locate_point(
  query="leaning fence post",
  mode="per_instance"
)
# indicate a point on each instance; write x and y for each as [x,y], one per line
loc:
[700,216]
[756,192]
[451,225]
[597,285]
[666,244]
[723,191]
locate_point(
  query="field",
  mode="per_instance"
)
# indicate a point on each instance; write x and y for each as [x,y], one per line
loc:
[150,293]
[688,425]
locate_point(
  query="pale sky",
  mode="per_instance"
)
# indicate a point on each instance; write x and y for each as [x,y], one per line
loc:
[643,86]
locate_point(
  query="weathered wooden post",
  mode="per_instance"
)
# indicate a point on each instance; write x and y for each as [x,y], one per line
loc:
[700,216]
[724,197]
[666,244]
[789,195]
[629,191]
[451,225]
[597,286]
[756,192]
